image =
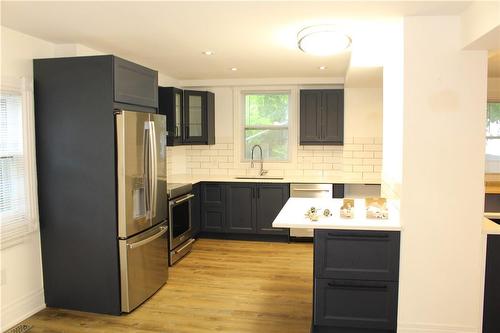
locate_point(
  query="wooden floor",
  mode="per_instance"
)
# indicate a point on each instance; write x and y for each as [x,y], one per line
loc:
[222,286]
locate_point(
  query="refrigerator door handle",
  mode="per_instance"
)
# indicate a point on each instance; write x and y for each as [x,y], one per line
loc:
[154,168]
[146,160]
[149,239]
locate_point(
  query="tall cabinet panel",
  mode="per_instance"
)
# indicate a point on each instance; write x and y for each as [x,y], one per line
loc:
[76,173]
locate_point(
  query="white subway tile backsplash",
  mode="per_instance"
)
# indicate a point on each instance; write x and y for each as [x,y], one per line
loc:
[360,158]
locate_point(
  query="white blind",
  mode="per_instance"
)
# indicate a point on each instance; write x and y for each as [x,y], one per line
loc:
[17,188]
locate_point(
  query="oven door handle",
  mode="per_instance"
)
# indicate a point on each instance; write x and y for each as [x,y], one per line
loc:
[189,242]
[187,197]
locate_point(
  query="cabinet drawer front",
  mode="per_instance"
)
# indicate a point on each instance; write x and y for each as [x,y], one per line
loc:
[356,304]
[213,193]
[135,84]
[357,255]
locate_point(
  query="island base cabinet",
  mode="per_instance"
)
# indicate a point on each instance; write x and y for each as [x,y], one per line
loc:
[356,304]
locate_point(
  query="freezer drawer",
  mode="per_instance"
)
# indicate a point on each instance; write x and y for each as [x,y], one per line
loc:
[143,265]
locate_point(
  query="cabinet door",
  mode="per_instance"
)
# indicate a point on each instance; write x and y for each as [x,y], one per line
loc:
[310,116]
[240,208]
[332,116]
[135,84]
[270,200]
[363,255]
[195,116]
[213,214]
[170,103]
[491,319]
[196,210]
[356,304]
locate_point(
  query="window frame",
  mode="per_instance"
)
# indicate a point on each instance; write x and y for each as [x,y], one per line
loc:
[243,127]
[12,233]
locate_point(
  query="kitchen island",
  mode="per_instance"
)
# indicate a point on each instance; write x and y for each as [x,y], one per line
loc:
[356,266]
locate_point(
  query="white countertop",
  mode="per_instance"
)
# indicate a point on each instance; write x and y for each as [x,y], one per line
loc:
[292,215]
[490,227]
[193,179]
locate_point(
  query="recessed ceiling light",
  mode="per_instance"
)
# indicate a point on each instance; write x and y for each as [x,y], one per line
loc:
[208,53]
[322,40]
[322,68]
[234,69]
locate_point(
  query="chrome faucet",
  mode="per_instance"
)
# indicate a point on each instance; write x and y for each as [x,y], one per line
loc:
[262,172]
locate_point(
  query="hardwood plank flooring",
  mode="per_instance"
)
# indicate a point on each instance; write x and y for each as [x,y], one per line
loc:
[222,286]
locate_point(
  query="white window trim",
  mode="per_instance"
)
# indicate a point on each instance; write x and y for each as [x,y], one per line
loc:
[12,234]
[239,125]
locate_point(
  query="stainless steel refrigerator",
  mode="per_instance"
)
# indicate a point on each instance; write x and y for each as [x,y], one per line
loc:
[142,205]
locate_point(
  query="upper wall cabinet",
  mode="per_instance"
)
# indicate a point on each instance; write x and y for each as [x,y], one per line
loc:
[170,101]
[322,117]
[135,84]
[190,116]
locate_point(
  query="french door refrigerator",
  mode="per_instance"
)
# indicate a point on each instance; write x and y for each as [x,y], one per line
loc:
[142,205]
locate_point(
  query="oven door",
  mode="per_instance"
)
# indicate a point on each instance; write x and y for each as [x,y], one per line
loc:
[180,220]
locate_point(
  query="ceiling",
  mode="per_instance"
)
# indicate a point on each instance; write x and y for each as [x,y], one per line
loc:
[258,38]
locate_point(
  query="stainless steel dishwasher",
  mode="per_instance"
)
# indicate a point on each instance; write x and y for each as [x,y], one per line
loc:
[308,191]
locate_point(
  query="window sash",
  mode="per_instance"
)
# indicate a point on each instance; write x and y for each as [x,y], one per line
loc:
[246,126]
[19,215]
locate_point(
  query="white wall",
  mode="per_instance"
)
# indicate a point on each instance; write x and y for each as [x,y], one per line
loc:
[393,115]
[443,175]
[22,288]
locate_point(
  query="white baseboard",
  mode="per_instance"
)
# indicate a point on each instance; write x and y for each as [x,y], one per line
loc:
[434,328]
[19,310]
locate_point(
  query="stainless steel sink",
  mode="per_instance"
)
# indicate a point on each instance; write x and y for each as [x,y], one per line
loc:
[256,177]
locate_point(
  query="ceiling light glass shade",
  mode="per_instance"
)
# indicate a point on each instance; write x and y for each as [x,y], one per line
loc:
[322,40]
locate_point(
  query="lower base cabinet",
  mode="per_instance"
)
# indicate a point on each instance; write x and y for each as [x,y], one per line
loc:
[242,208]
[491,309]
[351,296]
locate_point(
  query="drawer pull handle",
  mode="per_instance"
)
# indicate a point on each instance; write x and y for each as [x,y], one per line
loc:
[358,235]
[354,285]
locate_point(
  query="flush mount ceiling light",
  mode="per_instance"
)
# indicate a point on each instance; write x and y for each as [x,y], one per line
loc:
[322,68]
[234,69]
[208,53]
[322,40]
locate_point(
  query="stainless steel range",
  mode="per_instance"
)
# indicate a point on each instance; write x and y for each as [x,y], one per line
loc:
[179,217]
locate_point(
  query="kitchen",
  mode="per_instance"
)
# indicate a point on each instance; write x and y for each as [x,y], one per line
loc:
[420,162]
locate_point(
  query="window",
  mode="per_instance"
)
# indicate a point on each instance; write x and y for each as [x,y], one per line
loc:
[266,124]
[493,131]
[17,201]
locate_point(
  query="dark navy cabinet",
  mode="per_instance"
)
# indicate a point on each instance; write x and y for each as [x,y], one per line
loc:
[240,208]
[356,276]
[322,117]
[75,100]
[213,206]
[135,84]
[170,104]
[243,208]
[270,199]
[491,318]
[190,115]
